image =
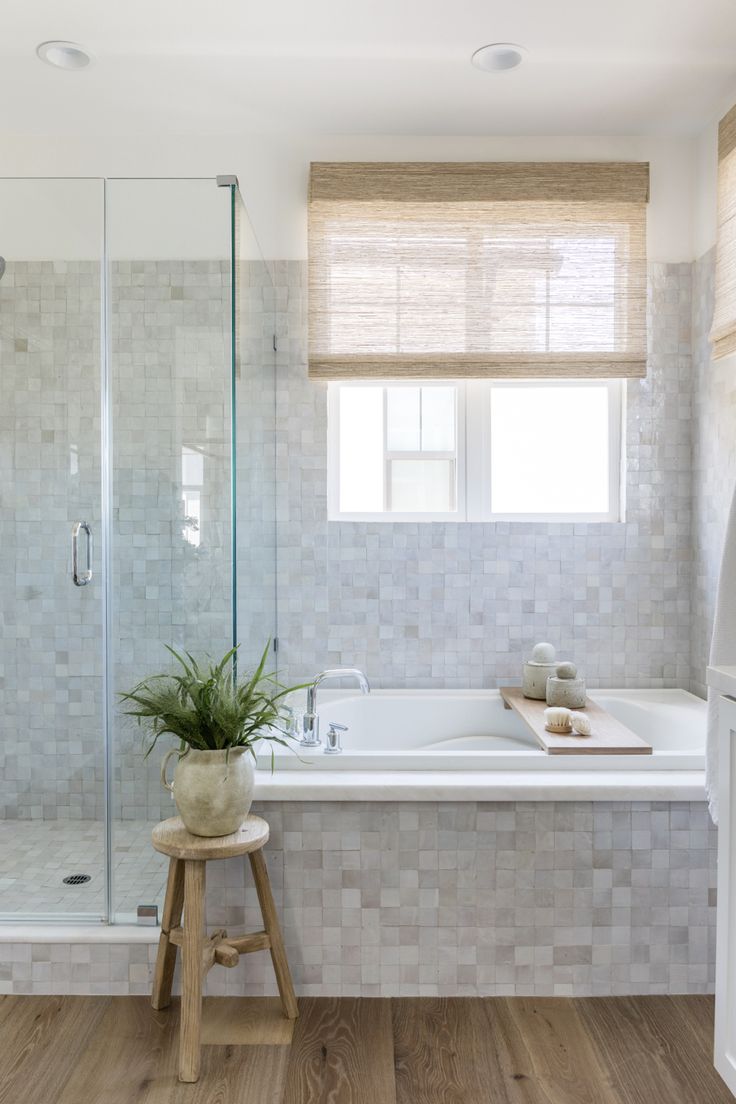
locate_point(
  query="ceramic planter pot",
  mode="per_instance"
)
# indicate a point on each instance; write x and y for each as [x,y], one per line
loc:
[213,790]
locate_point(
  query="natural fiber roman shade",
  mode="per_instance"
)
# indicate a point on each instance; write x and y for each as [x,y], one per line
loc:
[723,333]
[477,270]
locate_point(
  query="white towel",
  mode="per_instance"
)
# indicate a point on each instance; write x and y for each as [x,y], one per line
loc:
[722,652]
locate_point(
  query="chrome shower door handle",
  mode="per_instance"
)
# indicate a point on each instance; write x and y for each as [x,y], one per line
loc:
[81,578]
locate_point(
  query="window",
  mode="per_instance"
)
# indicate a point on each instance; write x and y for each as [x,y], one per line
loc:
[723,332]
[395,449]
[192,481]
[476,450]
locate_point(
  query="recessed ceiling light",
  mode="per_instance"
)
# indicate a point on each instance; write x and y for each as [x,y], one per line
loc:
[64,55]
[498,57]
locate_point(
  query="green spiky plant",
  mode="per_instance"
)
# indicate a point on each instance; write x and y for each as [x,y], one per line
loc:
[207,707]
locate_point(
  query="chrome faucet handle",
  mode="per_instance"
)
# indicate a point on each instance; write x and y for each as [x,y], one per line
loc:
[333,745]
[289,717]
[310,730]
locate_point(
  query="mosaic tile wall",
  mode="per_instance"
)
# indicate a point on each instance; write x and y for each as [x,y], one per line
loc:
[714,464]
[50,747]
[171,384]
[171,351]
[566,898]
[476,898]
[413,604]
[170,364]
[460,604]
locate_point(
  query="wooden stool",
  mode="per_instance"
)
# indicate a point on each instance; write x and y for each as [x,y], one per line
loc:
[188,856]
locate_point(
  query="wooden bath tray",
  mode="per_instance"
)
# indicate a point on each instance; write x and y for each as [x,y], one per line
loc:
[609,736]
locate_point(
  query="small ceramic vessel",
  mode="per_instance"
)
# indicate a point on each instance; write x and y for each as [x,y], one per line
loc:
[537,670]
[565,688]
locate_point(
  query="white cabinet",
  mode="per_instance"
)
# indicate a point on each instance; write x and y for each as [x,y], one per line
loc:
[725,1034]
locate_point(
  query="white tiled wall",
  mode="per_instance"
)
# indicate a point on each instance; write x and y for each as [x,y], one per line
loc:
[461,604]
[714,464]
[391,898]
[171,365]
[50,708]
[171,384]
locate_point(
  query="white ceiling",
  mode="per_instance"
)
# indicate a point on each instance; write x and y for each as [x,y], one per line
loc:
[376,67]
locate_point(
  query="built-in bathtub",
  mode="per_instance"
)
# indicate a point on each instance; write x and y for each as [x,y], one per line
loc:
[431,744]
[442,813]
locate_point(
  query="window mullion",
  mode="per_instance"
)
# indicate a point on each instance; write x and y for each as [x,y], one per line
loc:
[386,461]
[476,460]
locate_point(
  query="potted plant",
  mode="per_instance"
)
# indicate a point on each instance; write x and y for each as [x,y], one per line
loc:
[218,720]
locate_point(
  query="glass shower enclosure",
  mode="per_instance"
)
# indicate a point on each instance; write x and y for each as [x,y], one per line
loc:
[137,469]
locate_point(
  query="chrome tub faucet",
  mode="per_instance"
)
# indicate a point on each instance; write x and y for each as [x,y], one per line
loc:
[310,721]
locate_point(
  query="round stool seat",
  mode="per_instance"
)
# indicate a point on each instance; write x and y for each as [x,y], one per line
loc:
[170,837]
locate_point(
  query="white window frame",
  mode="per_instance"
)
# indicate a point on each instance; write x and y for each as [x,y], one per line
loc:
[333,456]
[473,450]
[478,404]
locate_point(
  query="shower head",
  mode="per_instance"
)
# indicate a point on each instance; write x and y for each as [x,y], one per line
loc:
[2,267]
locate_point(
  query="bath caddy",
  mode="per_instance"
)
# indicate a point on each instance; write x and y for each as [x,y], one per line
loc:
[609,736]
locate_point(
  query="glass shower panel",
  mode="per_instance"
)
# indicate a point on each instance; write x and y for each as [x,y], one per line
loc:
[52,788]
[255,375]
[170,268]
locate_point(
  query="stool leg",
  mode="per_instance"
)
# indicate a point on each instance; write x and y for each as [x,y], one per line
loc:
[271,924]
[192,971]
[166,957]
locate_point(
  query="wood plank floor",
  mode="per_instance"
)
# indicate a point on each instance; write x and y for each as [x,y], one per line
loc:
[522,1050]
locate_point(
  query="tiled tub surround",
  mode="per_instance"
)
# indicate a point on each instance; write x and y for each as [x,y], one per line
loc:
[459,605]
[462,899]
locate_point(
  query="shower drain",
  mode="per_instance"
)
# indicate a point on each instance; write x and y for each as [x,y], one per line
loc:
[76,879]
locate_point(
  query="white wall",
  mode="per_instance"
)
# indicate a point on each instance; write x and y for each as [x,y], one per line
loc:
[62,219]
[706,170]
[706,173]
[273,171]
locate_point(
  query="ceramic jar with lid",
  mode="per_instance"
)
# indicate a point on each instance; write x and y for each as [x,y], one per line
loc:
[566,688]
[537,670]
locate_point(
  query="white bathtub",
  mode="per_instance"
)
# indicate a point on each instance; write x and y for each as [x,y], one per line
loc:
[425,744]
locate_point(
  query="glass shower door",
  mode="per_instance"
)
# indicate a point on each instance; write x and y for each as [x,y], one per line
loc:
[52,760]
[170,267]
[137,425]
[192,368]
[255,434]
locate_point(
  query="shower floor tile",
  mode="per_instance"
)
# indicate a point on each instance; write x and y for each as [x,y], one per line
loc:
[36,855]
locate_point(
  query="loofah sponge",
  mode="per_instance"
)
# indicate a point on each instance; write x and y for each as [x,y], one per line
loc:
[581,724]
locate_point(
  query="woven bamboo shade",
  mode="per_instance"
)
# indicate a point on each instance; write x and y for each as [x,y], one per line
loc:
[440,271]
[723,332]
